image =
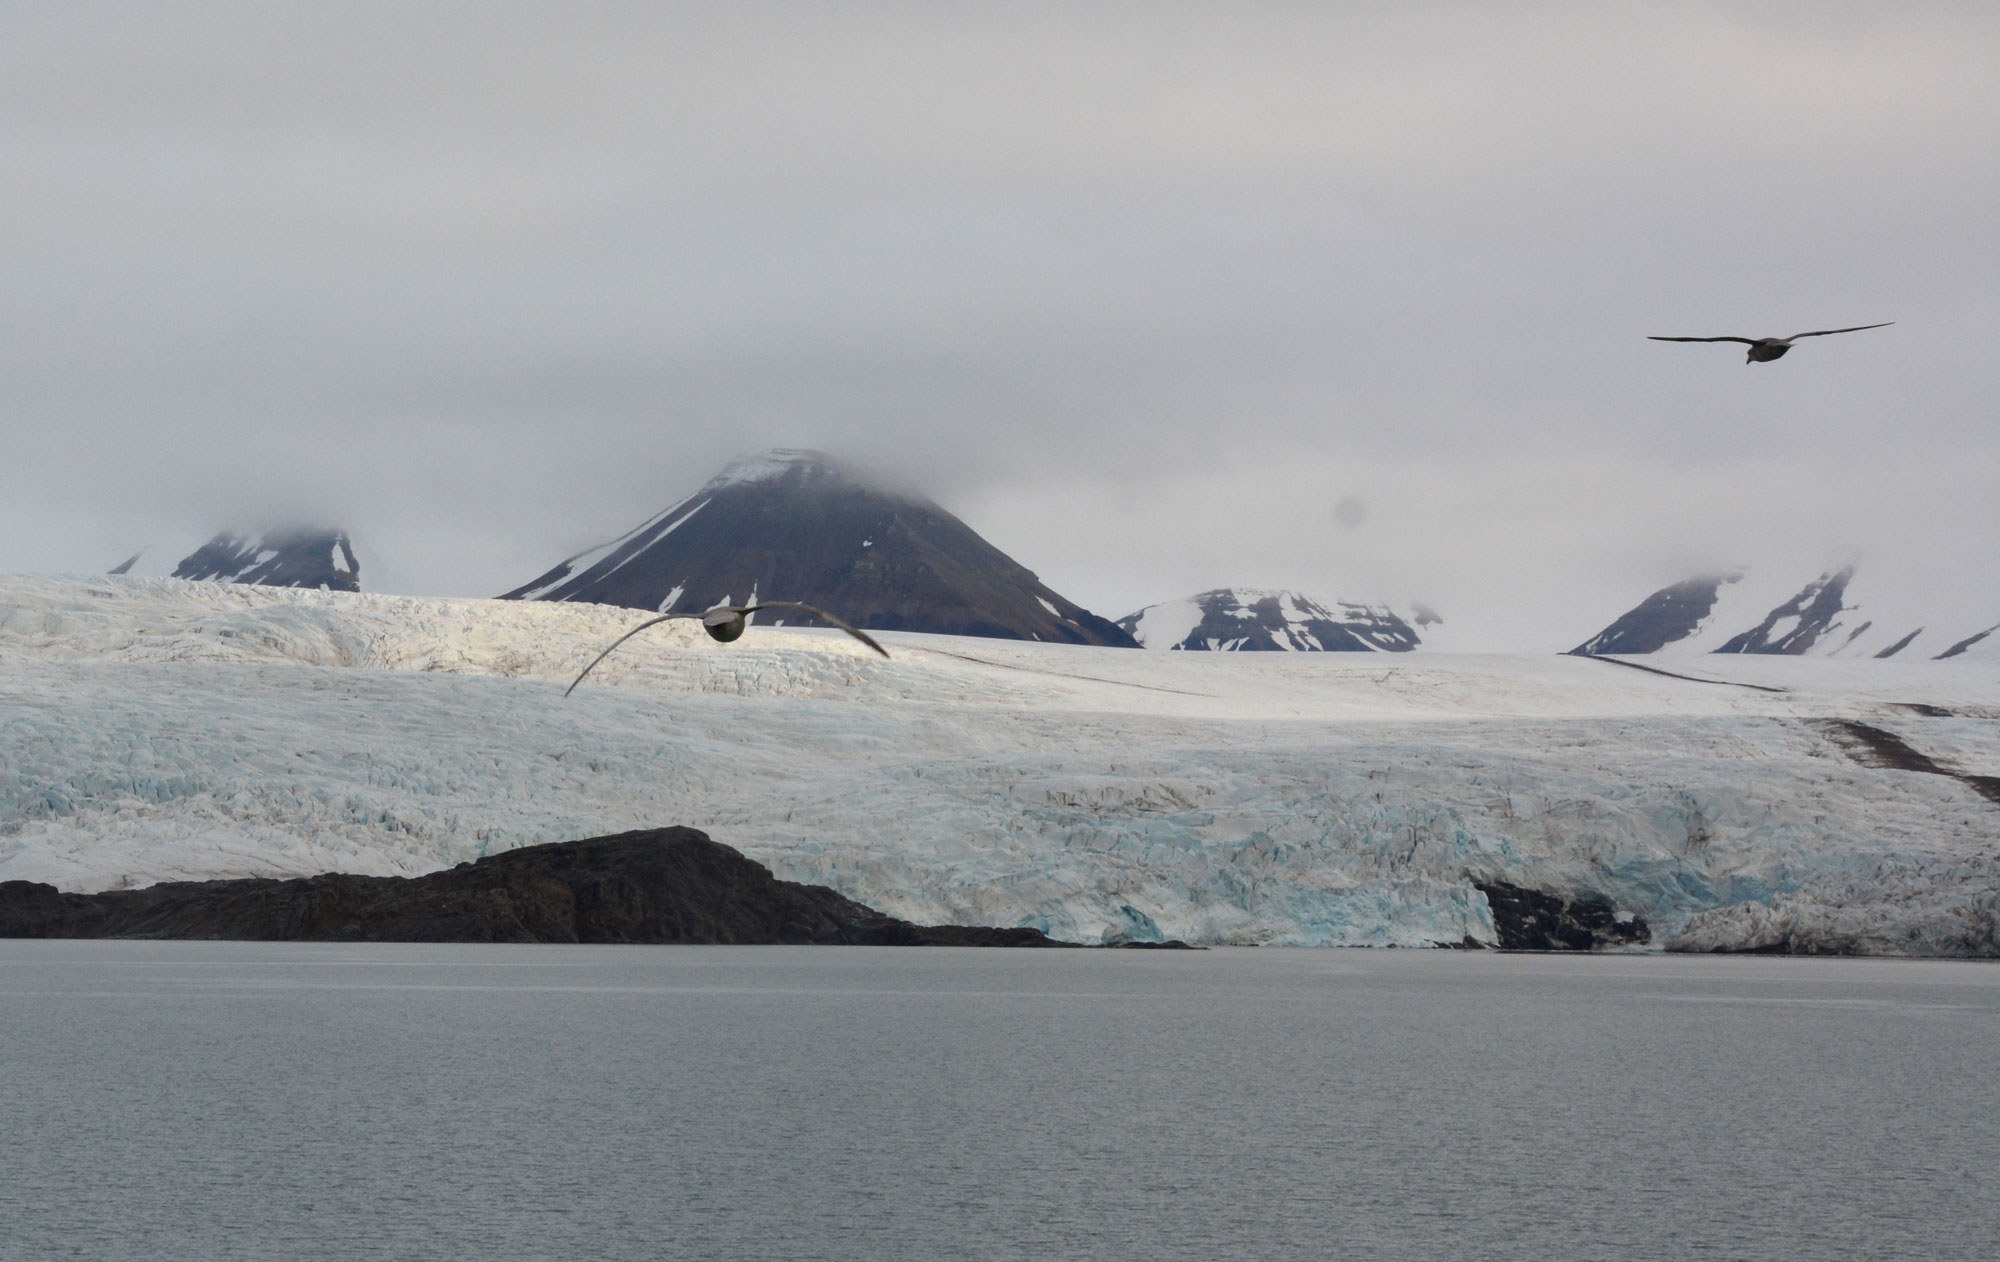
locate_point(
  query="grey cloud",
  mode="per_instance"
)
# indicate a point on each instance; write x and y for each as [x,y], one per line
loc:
[1141,291]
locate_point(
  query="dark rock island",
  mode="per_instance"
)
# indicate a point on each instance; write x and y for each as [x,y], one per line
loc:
[1538,920]
[656,886]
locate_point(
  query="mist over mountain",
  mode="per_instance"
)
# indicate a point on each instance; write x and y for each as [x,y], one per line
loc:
[794,525]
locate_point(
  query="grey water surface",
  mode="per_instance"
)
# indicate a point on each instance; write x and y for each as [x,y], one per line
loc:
[234,1100]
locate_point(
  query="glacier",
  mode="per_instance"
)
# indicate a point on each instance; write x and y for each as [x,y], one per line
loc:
[157,729]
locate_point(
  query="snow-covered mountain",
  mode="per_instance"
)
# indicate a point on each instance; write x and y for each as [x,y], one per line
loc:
[306,557]
[792,525]
[1841,613]
[1231,619]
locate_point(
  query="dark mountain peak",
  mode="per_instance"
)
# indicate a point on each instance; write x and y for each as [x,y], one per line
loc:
[1827,617]
[1668,615]
[795,525]
[1236,619]
[1795,626]
[299,557]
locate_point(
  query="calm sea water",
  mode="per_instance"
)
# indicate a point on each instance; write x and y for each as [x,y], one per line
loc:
[198,1100]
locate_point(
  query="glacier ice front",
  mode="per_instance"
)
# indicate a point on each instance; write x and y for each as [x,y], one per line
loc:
[154,729]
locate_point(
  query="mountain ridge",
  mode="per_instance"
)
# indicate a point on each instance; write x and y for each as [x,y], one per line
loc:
[306,556]
[1842,612]
[1244,619]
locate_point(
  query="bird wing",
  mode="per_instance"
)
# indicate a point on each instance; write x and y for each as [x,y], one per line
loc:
[823,616]
[650,622]
[1747,341]
[1856,329]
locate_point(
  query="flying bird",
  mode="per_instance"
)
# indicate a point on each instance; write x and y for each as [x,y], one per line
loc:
[1765,349]
[726,623]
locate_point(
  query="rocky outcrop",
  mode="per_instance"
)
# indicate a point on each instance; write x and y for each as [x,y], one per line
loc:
[664,885]
[1795,627]
[1962,645]
[1538,920]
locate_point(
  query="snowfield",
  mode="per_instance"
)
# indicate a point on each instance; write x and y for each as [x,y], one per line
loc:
[152,729]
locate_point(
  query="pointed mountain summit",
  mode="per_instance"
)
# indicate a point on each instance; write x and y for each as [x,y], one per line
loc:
[1236,619]
[1668,616]
[311,557]
[792,525]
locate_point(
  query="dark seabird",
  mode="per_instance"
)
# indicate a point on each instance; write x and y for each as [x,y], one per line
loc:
[726,623]
[1765,349]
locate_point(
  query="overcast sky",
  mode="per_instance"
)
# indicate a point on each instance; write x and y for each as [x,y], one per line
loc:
[1349,298]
